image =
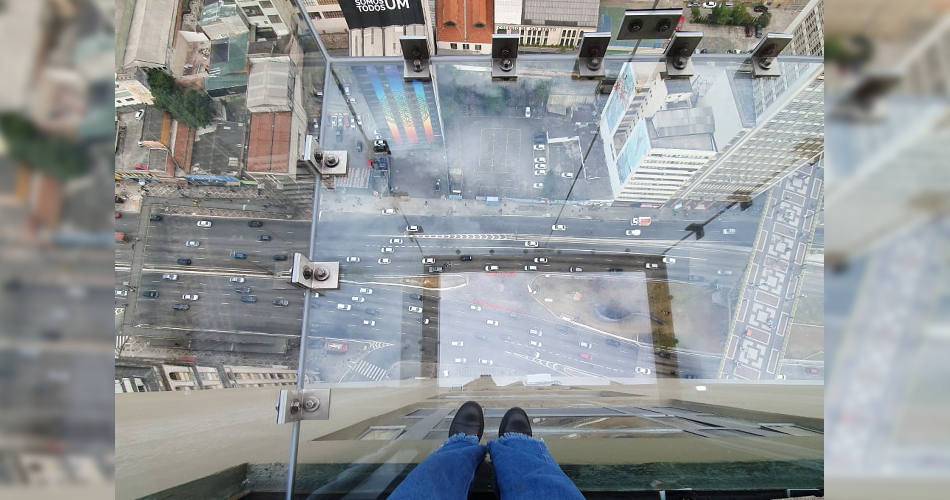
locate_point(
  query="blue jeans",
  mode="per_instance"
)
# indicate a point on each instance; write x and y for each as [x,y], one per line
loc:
[524,470]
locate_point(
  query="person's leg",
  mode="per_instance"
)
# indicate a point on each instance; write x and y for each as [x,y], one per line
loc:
[448,473]
[524,468]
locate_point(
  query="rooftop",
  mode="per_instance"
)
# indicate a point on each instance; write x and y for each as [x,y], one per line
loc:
[464,21]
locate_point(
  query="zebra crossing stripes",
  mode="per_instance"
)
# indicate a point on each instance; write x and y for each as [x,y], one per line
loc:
[369,371]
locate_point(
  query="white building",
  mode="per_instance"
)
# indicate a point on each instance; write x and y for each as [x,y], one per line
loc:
[326,16]
[550,23]
[257,376]
[272,18]
[508,11]
[131,88]
[808,30]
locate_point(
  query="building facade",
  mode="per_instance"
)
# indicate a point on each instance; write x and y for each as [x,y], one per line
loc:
[555,23]
[808,30]
[131,88]
[326,16]
[272,18]
[464,26]
[384,41]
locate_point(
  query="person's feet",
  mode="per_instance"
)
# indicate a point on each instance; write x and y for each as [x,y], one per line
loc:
[515,420]
[469,420]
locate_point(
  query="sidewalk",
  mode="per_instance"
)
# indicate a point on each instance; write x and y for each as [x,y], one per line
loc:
[169,198]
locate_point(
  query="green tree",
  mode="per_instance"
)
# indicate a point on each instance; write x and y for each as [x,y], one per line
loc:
[695,15]
[740,16]
[59,157]
[541,92]
[192,107]
[764,19]
[720,15]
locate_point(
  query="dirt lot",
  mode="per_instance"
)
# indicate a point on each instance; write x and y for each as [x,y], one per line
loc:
[698,324]
[806,342]
[810,310]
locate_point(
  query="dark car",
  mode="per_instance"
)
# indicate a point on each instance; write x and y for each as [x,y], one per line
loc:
[359,146]
[248,298]
[240,256]
[436,269]
[748,31]
[612,342]
[152,294]
[255,223]
[181,307]
[694,277]
[758,31]
[184,262]
[264,237]
[438,185]
[465,257]
[154,217]
[372,312]
[281,302]
[245,289]
[760,8]
[415,296]
[664,355]
[690,376]
[280,256]
[614,270]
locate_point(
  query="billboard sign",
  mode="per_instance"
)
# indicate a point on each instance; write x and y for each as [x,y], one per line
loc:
[637,147]
[619,100]
[380,13]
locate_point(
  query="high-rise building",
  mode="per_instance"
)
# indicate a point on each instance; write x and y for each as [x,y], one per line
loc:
[549,23]
[376,36]
[273,18]
[326,16]
[808,30]
[464,26]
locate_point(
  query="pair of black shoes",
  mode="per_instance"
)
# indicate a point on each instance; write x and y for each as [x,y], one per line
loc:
[470,420]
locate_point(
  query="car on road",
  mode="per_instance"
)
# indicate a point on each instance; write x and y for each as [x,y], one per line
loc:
[236,279]
[387,250]
[492,322]
[369,322]
[465,258]
[692,4]
[532,354]
[152,294]
[558,227]
[709,5]
[333,121]
[530,268]
[184,262]
[760,8]
[139,114]
[538,185]
[255,223]
[539,147]
[264,237]
[367,291]
[540,159]
[813,371]
[357,298]
[395,241]
[538,172]
[475,307]
[340,347]
[461,360]
[724,272]
[384,260]
[665,355]
[155,217]
[541,260]
[372,311]
[388,211]
[249,299]
[612,342]
[729,231]
[118,215]
[415,309]
[204,223]
[424,321]
[758,31]
[575,269]
[587,356]
[567,175]
[780,377]
[344,307]
[748,32]
[190,296]
[170,277]
[352,259]
[485,361]
[632,232]
[586,345]
[181,307]
[691,376]
[243,290]
[416,296]
[669,260]
[413,229]
[240,255]
[491,268]
[141,166]
[541,166]
[280,256]
[650,265]
[428,260]
[457,343]
[642,371]
[121,293]
[535,331]
[527,112]
[281,302]
[535,343]
[192,243]
[696,277]
[614,269]
[531,244]
[482,336]
[436,269]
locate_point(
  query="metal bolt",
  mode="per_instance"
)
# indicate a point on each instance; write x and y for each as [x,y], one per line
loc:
[331,160]
[635,26]
[294,406]
[307,272]
[322,273]
[506,64]
[311,404]
[416,65]
[663,26]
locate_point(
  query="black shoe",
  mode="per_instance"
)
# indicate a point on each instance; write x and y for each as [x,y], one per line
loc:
[468,420]
[515,420]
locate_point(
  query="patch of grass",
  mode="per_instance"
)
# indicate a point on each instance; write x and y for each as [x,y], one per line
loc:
[810,311]
[806,342]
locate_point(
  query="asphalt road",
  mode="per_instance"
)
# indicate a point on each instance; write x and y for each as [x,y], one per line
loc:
[128,224]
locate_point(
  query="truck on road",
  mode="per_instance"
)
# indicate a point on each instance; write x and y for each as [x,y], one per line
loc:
[640,221]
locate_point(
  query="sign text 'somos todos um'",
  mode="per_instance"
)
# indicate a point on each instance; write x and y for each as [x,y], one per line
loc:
[381,5]
[379,13]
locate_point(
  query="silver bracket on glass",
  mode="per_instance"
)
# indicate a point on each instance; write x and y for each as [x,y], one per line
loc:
[311,275]
[679,53]
[590,57]
[415,51]
[504,56]
[764,54]
[648,24]
[324,162]
[295,405]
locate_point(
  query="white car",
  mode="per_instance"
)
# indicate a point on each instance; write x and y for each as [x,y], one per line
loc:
[415,309]
[174,277]
[387,250]
[189,297]
[567,175]
[558,227]
[540,166]
[428,260]
[204,223]
[234,280]
[527,112]
[367,291]
[642,371]
[192,243]
[539,172]
[491,268]
[576,269]
[728,231]
[669,260]
[586,345]
[780,377]
[121,293]
[388,211]
[540,159]
[352,259]
[530,268]
[395,241]
[532,354]
[535,343]
[475,307]
[541,260]
[358,299]
[485,361]
[458,343]
[723,272]
[384,260]
[369,322]
[650,265]
[535,331]
[709,5]
[632,232]
[413,229]
[538,185]
[139,113]
[343,307]
[539,147]
[492,322]
[461,360]
[531,244]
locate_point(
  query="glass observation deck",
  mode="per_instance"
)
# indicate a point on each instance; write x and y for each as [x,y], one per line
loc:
[628,258]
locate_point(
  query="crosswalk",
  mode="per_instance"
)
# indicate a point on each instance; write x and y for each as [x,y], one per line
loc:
[369,371]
